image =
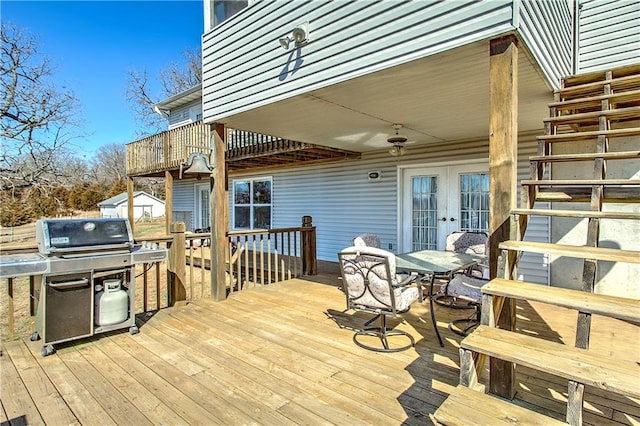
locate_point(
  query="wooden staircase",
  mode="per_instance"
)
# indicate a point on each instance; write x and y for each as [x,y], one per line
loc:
[594,118]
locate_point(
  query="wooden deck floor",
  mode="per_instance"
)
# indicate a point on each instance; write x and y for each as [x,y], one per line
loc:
[274,356]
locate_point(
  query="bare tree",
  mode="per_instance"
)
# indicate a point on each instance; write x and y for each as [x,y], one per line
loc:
[172,80]
[39,120]
[109,163]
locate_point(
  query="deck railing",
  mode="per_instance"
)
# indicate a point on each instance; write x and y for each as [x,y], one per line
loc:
[166,150]
[255,259]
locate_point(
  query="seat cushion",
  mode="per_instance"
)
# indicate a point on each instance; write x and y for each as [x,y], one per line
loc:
[466,288]
[405,296]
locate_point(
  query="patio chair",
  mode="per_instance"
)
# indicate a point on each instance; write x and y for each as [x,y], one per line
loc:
[466,287]
[470,242]
[369,240]
[370,284]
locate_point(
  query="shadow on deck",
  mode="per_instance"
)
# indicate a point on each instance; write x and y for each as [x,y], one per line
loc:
[277,355]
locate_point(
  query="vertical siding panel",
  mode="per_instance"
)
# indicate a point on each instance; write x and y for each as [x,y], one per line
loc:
[546,29]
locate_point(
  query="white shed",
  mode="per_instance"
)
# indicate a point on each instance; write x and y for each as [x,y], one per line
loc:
[145,206]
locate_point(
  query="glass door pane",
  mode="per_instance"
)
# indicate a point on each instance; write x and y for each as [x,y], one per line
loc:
[205,217]
[424,212]
[474,202]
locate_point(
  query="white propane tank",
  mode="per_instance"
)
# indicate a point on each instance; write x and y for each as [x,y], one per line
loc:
[111,304]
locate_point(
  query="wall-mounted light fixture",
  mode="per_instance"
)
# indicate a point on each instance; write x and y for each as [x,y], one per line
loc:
[198,164]
[298,37]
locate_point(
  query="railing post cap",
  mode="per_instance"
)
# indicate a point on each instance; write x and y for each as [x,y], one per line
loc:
[178,227]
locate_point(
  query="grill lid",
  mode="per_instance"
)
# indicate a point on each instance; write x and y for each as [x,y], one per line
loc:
[83,235]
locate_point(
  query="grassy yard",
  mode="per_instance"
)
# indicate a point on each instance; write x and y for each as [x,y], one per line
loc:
[25,235]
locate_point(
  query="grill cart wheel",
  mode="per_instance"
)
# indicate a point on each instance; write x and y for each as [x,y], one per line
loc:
[47,350]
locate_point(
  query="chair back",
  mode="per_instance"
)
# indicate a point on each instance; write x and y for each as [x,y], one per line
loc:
[369,240]
[470,242]
[367,278]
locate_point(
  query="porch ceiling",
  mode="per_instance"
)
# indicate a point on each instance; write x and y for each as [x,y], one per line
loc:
[440,98]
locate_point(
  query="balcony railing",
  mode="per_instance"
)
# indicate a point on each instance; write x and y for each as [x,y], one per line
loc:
[154,155]
[166,150]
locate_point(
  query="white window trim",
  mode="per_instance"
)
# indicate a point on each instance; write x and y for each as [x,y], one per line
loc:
[233,201]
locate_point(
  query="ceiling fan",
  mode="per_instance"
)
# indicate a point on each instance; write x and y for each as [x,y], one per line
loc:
[398,142]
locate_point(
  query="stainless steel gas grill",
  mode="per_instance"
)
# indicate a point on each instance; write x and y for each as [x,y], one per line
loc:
[85,277]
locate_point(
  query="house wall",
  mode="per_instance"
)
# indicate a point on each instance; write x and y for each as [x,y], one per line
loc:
[242,58]
[546,27]
[609,34]
[344,203]
[613,278]
[109,211]
[184,203]
[185,114]
[142,205]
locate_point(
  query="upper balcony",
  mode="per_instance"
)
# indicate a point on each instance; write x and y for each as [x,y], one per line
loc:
[164,152]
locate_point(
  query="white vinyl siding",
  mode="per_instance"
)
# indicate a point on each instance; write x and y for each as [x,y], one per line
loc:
[243,63]
[185,115]
[343,202]
[609,35]
[546,29]
[184,203]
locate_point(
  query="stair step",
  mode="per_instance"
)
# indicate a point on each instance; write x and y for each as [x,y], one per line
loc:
[581,136]
[592,117]
[581,182]
[465,406]
[595,76]
[611,374]
[614,99]
[582,194]
[583,252]
[593,303]
[619,155]
[577,213]
[617,84]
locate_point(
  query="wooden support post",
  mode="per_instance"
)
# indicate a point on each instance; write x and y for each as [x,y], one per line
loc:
[308,237]
[219,214]
[177,269]
[503,147]
[130,203]
[168,200]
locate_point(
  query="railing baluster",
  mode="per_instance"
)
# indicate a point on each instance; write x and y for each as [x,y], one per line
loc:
[11,319]
[145,289]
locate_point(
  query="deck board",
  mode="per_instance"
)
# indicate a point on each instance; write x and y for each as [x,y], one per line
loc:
[279,355]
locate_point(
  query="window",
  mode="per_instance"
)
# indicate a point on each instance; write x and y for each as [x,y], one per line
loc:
[220,10]
[474,202]
[252,203]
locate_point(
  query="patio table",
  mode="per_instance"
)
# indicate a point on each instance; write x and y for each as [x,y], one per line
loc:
[435,264]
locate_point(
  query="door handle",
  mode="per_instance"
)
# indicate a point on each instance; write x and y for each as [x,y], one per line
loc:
[69,284]
[453,219]
[444,219]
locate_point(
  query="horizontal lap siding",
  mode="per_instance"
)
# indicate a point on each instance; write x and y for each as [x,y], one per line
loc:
[609,34]
[344,203]
[546,29]
[244,66]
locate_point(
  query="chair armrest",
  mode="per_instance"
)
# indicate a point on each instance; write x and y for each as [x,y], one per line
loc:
[413,277]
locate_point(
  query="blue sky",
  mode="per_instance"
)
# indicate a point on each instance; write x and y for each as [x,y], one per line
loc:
[93,44]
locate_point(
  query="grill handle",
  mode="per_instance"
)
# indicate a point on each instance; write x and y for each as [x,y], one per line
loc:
[69,284]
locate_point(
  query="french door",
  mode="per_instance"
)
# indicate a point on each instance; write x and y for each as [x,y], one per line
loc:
[439,200]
